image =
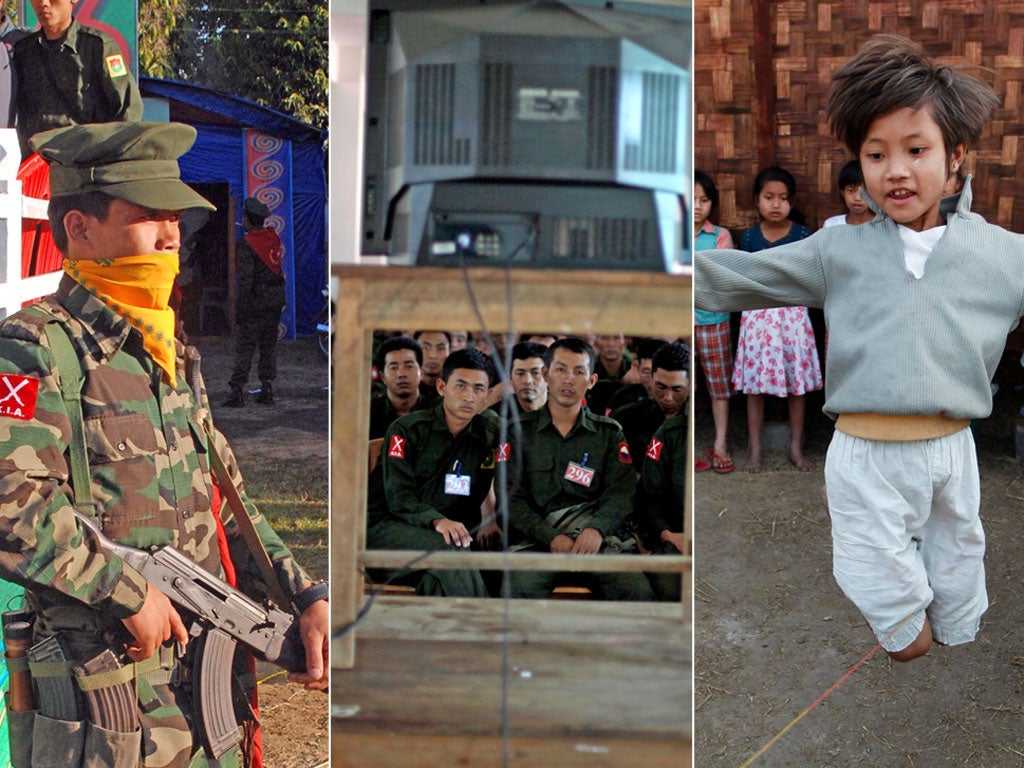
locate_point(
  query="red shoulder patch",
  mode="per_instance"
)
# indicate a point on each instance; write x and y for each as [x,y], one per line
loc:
[502,452]
[654,449]
[397,448]
[624,456]
[18,396]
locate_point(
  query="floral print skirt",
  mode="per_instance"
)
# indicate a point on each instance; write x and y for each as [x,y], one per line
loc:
[776,353]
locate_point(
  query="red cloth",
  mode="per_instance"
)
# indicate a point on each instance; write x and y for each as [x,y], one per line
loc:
[231,577]
[267,245]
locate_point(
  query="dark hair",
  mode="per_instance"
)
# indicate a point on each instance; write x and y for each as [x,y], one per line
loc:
[92,203]
[524,350]
[645,348]
[774,173]
[708,185]
[890,73]
[472,360]
[398,342]
[447,334]
[577,346]
[674,356]
[850,175]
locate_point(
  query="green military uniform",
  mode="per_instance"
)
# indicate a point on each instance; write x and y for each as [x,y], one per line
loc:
[639,422]
[426,473]
[383,413]
[261,297]
[550,472]
[659,501]
[609,383]
[81,78]
[149,467]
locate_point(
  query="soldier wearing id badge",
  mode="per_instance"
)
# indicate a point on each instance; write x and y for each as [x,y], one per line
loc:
[572,479]
[436,470]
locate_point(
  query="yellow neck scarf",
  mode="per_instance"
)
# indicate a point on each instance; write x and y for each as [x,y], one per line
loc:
[137,288]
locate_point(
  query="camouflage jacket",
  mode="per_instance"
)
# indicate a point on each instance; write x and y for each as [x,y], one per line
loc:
[148,462]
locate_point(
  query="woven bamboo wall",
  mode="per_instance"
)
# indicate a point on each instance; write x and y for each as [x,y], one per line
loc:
[810,39]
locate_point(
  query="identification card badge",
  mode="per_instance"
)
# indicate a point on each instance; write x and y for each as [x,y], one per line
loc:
[577,473]
[456,485]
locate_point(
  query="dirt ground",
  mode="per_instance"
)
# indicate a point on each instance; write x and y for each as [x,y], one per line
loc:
[293,432]
[773,632]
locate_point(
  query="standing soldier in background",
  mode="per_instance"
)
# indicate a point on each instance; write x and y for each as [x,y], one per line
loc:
[140,426]
[67,74]
[260,301]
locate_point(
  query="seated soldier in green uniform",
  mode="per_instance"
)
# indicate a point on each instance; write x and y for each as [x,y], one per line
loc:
[400,362]
[573,478]
[640,418]
[436,470]
[659,499]
[436,346]
[132,451]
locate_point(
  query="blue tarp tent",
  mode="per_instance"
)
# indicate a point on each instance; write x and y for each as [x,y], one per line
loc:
[262,153]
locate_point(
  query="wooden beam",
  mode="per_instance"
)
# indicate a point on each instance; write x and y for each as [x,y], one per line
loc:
[525,561]
[476,620]
[402,750]
[565,301]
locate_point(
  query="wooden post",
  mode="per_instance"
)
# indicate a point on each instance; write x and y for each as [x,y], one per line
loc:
[350,427]
[764,83]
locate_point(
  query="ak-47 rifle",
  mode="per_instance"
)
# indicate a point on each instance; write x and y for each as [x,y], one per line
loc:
[223,617]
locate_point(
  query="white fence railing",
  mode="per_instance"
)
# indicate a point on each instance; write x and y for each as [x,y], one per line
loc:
[14,290]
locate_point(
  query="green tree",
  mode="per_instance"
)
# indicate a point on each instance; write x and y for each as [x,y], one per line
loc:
[157,21]
[272,53]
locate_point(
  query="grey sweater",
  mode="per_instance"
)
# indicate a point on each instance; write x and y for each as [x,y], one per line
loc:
[896,345]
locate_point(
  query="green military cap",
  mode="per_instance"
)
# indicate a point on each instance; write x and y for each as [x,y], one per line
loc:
[135,161]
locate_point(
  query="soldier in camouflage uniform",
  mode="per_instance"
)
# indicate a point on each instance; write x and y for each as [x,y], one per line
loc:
[144,406]
[66,73]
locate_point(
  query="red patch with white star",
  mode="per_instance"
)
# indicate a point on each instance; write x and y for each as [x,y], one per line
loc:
[624,456]
[654,449]
[18,396]
[397,449]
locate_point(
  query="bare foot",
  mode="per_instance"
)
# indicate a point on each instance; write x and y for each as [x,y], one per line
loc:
[753,463]
[798,460]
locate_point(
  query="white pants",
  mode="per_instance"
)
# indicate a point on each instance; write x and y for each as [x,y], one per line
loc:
[907,540]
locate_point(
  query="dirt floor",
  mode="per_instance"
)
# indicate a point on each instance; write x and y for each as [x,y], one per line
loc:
[774,633]
[291,434]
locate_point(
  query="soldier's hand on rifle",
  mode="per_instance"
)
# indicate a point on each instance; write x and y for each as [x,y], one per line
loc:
[313,629]
[157,622]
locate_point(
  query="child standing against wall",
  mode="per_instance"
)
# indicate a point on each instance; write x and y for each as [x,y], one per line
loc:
[857,211]
[918,304]
[711,333]
[776,353]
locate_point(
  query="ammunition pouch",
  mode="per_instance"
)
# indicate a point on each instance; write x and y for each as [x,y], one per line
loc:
[87,714]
